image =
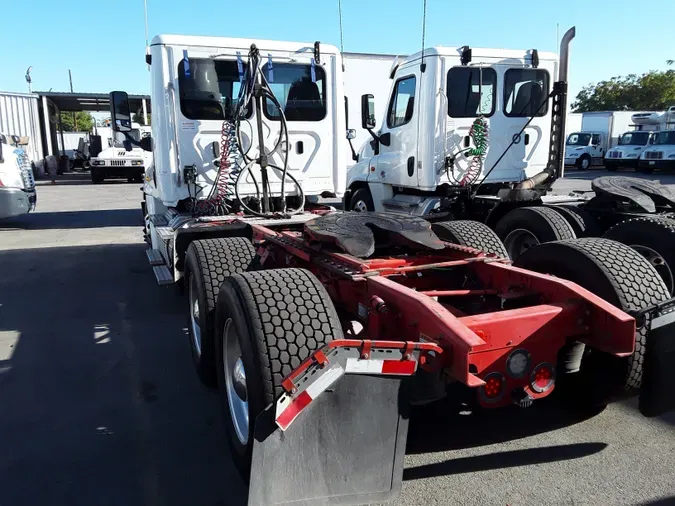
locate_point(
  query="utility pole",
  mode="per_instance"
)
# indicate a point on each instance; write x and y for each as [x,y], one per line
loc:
[70,77]
[29,80]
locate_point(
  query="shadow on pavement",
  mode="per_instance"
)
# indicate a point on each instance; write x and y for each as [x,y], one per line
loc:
[100,402]
[663,501]
[99,218]
[77,179]
[441,426]
[501,460]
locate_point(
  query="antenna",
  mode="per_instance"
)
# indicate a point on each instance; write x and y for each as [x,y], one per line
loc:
[145,13]
[423,65]
[342,45]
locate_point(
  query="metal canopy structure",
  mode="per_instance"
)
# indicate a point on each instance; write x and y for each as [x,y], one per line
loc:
[61,102]
[93,102]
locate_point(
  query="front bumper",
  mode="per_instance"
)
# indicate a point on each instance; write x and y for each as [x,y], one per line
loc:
[116,171]
[630,163]
[657,164]
[15,202]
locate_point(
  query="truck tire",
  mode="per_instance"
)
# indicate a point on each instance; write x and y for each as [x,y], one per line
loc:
[471,233]
[267,323]
[654,239]
[584,162]
[526,227]
[581,221]
[96,176]
[361,201]
[622,277]
[208,263]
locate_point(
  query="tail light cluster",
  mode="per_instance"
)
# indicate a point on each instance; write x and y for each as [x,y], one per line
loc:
[538,380]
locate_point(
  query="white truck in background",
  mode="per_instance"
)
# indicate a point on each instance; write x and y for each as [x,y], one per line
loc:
[600,132]
[660,154]
[17,186]
[116,162]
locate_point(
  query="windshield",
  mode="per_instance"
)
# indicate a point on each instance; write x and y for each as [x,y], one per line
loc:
[634,139]
[665,137]
[579,140]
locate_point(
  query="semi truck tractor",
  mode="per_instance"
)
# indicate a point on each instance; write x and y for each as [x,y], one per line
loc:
[17,185]
[322,330]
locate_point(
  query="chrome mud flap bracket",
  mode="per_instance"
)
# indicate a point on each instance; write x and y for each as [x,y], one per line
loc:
[338,435]
[658,377]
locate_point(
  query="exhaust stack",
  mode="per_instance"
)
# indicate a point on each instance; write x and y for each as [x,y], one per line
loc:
[558,115]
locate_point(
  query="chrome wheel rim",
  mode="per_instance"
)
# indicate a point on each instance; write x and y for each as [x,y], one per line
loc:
[360,206]
[235,382]
[585,164]
[659,263]
[194,315]
[518,241]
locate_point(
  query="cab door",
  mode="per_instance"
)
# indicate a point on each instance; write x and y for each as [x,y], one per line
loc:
[398,151]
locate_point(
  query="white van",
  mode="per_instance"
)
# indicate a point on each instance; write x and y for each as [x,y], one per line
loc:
[17,186]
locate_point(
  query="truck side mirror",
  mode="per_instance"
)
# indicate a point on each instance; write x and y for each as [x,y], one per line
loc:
[351,134]
[368,112]
[120,112]
[146,143]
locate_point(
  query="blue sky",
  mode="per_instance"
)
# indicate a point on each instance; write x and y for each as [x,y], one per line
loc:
[103,42]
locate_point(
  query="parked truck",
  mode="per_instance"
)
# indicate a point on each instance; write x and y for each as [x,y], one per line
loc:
[471,154]
[17,185]
[307,320]
[600,132]
[116,162]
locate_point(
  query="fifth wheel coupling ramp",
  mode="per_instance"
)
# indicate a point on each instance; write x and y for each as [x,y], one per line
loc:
[344,437]
[357,233]
[641,192]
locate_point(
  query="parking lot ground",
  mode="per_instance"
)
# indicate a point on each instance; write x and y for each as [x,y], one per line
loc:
[99,404]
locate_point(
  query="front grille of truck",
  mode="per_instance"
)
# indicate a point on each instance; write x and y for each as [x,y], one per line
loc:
[615,154]
[654,155]
[26,171]
[118,163]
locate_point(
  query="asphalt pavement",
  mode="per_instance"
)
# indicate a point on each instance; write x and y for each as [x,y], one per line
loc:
[99,403]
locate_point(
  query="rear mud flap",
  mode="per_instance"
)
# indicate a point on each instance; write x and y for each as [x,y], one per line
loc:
[346,448]
[658,379]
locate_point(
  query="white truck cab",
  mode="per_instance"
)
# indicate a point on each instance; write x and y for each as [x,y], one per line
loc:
[660,155]
[584,149]
[454,118]
[17,186]
[116,162]
[195,84]
[630,147]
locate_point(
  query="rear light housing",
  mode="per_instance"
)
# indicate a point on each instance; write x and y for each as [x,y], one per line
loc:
[493,390]
[542,378]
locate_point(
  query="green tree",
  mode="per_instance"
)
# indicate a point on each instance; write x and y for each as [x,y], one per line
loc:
[138,118]
[85,121]
[651,91]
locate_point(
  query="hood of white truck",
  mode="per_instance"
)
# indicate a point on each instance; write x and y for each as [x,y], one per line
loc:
[624,152]
[107,153]
[659,152]
[15,172]
[575,151]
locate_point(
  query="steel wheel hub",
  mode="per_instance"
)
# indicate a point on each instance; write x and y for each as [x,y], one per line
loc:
[518,241]
[360,206]
[235,382]
[194,315]
[659,263]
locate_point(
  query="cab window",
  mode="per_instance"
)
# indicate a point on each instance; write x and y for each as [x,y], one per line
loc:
[402,105]
[471,92]
[208,89]
[300,90]
[595,140]
[525,93]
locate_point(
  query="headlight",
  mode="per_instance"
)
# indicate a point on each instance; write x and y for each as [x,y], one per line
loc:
[574,154]
[97,162]
[136,162]
[671,156]
[631,155]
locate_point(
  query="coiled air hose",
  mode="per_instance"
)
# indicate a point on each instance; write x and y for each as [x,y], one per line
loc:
[479,134]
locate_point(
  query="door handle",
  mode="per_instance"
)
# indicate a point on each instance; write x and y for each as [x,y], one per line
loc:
[527,139]
[411,166]
[467,141]
[299,147]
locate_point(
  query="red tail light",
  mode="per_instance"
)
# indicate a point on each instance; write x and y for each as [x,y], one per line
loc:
[493,390]
[542,378]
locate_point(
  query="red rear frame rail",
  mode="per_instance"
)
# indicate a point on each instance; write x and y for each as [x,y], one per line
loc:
[490,319]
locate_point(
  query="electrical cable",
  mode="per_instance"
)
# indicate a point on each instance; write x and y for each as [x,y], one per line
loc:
[479,133]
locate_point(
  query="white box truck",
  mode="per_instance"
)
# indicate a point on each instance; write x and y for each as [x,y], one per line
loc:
[600,131]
